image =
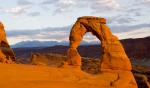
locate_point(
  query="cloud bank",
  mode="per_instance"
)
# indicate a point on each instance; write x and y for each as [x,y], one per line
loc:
[62,33]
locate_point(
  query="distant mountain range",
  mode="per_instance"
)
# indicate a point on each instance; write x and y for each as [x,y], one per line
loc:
[46,43]
[38,44]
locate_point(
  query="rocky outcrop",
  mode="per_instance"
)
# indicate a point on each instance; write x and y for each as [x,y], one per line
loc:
[6,53]
[54,60]
[142,76]
[113,59]
[142,80]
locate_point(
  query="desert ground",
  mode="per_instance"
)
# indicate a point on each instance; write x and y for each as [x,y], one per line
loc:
[32,76]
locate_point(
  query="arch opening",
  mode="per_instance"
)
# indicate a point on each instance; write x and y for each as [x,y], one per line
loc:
[90,39]
[94,47]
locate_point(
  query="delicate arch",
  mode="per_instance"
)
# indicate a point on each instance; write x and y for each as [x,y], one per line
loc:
[113,57]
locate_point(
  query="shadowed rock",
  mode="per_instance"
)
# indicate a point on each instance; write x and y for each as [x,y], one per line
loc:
[6,53]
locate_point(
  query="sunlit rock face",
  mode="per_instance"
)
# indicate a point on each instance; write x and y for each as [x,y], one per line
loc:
[113,58]
[6,53]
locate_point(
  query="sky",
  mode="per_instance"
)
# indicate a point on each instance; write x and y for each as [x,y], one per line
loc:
[51,20]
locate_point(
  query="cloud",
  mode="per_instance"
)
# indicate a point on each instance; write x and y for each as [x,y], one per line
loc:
[24,2]
[104,5]
[16,10]
[130,13]
[99,7]
[33,14]
[47,2]
[126,28]
[45,31]
[144,32]
[63,6]
[22,7]
[47,34]
[145,2]
[120,19]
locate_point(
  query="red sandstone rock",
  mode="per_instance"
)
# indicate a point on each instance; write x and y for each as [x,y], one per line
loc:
[6,53]
[114,56]
[113,60]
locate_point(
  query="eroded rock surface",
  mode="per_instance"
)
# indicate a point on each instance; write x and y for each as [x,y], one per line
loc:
[113,60]
[6,53]
[54,60]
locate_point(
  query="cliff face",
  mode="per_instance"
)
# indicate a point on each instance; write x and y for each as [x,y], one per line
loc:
[137,48]
[6,53]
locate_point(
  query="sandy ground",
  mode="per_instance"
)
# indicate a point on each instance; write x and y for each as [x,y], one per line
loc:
[30,76]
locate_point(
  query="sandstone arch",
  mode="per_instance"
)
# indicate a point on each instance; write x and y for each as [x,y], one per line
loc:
[6,53]
[113,57]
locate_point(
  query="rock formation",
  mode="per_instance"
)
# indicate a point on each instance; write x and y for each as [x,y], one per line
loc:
[6,53]
[142,80]
[54,60]
[114,56]
[113,59]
